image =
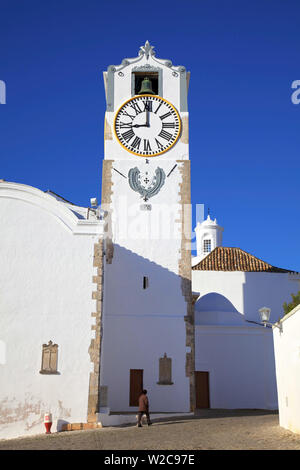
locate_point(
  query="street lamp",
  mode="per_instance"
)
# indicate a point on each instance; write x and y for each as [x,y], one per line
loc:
[264,313]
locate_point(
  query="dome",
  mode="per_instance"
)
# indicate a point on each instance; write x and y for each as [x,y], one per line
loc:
[209,221]
[214,302]
[215,309]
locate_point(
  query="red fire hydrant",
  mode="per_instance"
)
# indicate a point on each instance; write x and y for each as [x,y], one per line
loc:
[48,422]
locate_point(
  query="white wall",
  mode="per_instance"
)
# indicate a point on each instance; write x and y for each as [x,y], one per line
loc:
[207,230]
[140,325]
[238,354]
[287,360]
[171,83]
[241,374]
[137,342]
[249,291]
[45,294]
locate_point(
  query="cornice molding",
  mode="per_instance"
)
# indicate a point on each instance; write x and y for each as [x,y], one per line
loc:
[48,203]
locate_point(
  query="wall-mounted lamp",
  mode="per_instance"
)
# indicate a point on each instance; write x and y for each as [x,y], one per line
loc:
[94,202]
[95,209]
[265,313]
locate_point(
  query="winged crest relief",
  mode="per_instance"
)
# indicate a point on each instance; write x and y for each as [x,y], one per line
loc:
[146,186]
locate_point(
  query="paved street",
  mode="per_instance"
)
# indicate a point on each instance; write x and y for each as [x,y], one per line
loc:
[210,430]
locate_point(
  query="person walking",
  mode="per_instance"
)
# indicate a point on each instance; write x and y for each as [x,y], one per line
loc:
[143,408]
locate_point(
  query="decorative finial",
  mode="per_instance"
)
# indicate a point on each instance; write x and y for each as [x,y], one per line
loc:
[147,50]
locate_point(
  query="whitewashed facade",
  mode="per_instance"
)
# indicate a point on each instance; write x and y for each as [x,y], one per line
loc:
[230,343]
[46,254]
[208,236]
[287,360]
[141,322]
[94,307]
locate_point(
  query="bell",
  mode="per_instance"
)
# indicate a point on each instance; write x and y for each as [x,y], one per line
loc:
[146,87]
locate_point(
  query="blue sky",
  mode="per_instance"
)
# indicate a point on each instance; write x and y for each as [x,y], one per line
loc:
[244,129]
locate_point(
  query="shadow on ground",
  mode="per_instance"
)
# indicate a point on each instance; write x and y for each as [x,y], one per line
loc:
[206,414]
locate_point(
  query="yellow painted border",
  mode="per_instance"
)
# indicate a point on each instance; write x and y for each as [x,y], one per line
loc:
[156,154]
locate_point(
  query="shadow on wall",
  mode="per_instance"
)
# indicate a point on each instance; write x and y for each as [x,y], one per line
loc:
[237,352]
[145,308]
[60,424]
[265,289]
[216,309]
[140,286]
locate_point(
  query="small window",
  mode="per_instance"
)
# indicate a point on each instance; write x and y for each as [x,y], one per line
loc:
[207,246]
[145,282]
[49,359]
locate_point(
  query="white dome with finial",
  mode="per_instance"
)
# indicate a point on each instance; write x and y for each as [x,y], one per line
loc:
[208,237]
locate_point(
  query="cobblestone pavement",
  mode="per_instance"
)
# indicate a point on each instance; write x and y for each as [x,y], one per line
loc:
[209,430]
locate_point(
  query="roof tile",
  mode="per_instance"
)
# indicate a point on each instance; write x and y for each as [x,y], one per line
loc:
[235,259]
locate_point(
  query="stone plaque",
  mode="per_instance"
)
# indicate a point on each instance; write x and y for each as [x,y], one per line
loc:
[49,358]
[165,370]
[146,207]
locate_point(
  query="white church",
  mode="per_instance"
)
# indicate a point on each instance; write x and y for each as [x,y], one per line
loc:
[97,303]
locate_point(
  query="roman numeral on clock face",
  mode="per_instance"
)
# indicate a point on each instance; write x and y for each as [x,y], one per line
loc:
[158,108]
[170,125]
[126,125]
[136,108]
[128,135]
[125,113]
[147,146]
[159,144]
[147,125]
[148,106]
[164,116]
[136,143]
[165,135]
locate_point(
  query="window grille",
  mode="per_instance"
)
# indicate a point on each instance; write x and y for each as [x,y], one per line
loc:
[207,246]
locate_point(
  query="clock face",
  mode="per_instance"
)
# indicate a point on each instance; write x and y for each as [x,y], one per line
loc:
[147,125]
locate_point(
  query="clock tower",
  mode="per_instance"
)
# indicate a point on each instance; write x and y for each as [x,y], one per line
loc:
[147,335]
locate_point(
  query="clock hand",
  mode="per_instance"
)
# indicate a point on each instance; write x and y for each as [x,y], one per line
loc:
[143,125]
[125,124]
[129,125]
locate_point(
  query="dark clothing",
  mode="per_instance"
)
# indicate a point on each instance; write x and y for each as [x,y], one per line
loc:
[140,414]
[143,409]
[143,403]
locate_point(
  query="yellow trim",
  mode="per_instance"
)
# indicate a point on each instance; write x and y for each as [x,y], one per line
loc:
[139,154]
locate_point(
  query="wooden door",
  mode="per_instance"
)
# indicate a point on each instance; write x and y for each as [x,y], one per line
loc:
[136,386]
[202,389]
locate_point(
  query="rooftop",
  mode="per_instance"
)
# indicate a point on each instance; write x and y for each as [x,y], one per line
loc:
[235,259]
